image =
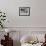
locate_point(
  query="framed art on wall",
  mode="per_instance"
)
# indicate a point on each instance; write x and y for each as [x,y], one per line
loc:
[24,11]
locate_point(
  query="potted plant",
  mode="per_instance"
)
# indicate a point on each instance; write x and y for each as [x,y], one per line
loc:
[2,19]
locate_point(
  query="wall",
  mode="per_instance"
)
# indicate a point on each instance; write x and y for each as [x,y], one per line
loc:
[37,16]
[11,7]
[38,13]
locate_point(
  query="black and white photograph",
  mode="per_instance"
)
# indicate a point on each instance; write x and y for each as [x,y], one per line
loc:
[24,11]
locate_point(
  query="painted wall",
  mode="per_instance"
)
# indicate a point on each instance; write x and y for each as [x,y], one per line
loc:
[38,13]
[11,7]
[37,16]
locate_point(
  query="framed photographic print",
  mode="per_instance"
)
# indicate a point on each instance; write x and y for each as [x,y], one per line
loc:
[24,11]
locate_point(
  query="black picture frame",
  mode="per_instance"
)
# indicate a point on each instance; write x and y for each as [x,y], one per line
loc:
[24,11]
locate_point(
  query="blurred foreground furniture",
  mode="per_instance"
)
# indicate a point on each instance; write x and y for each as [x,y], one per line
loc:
[27,40]
[8,41]
[44,44]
